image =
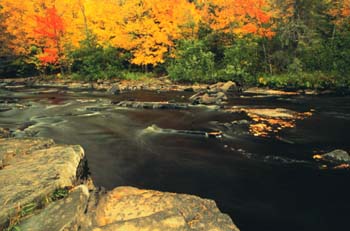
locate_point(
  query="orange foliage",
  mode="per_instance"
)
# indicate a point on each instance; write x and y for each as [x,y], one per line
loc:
[49,56]
[50,25]
[50,29]
[238,16]
[340,11]
[148,29]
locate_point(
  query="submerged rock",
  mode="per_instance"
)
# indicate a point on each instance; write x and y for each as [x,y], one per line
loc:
[266,121]
[155,129]
[128,209]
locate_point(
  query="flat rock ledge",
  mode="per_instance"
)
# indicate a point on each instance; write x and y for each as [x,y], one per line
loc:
[43,188]
[152,105]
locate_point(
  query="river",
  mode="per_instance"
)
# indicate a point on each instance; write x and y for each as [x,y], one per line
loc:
[263,182]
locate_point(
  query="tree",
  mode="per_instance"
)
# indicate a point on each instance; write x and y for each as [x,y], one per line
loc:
[50,29]
[5,36]
[340,13]
[146,28]
[240,17]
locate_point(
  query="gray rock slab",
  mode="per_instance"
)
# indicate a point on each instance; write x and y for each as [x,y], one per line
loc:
[60,215]
[32,174]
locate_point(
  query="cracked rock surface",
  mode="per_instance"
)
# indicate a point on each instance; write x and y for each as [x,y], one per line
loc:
[33,169]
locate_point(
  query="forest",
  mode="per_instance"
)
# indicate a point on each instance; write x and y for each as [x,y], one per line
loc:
[275,43]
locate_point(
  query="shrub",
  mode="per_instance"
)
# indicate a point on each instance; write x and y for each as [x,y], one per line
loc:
[193,63]
[240,61]
[315,80]
[92,62]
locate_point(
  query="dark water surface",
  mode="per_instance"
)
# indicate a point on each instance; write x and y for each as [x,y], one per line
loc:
[262,183]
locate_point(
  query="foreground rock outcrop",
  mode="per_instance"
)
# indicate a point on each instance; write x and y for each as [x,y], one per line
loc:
[43,188]
[132,209]
[65,214]
[32,169]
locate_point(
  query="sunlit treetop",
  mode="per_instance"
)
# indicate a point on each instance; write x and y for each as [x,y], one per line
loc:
[238,16]
[148,29]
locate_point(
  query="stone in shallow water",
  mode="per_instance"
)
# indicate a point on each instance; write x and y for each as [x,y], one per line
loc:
[224,87]
[60,215]
[128,209]
[273,112]
[337,156]
[152,105]
[256,90]
[114,89]
[34,169]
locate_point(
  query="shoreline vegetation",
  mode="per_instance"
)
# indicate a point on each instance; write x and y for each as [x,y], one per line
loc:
[266,43]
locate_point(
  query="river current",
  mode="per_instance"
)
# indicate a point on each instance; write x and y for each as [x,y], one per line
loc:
[263,182]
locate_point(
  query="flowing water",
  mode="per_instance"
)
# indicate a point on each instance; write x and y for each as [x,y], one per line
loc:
[263,183]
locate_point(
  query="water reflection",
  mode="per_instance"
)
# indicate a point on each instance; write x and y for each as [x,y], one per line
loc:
[267,122]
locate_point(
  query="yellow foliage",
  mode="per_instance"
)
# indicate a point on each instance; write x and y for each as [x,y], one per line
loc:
[146,28]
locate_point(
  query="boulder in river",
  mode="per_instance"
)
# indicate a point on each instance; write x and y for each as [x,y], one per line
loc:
[214,94]
[114,89]
[227,87]
[209,98]
[337,156]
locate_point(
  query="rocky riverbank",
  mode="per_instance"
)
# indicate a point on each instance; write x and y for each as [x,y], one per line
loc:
[45,186]
[116,86]
[112,86]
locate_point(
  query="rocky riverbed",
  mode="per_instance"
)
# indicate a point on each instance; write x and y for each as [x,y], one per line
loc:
[45,186]
[265,157]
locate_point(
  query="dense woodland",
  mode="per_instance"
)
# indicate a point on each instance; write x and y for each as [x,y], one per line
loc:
[277,43]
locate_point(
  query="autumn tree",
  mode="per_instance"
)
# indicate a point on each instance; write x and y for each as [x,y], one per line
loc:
[147,29]
[5,36]
[340,13]
[285,34]
[50,29]
[237,17]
